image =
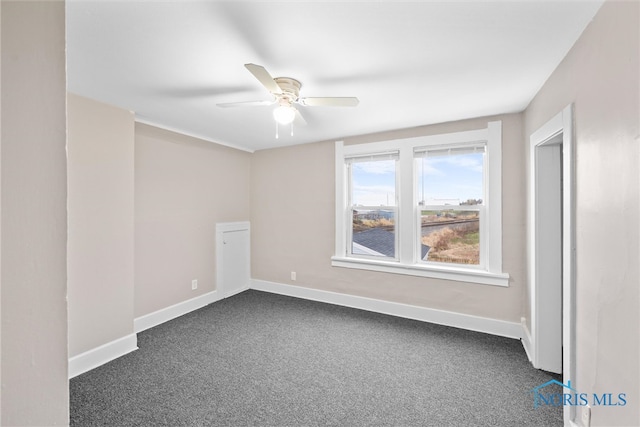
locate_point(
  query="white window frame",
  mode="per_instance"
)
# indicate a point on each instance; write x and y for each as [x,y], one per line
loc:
[408,260]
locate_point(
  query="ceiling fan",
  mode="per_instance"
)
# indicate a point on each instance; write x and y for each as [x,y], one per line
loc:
[286,93]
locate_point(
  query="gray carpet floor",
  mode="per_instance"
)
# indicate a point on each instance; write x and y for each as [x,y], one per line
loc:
[258,359]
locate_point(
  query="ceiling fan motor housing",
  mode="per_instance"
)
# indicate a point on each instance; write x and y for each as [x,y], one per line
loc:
[290,89]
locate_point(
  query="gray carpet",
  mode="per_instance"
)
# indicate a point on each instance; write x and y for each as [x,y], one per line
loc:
[258,359]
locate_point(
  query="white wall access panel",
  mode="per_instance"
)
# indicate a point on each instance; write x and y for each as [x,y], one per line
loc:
[233,261]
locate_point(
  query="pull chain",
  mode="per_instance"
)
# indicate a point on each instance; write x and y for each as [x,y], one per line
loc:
[278,127]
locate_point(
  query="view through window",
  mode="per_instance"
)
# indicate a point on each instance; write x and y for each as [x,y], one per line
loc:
[450,203]
[373,207]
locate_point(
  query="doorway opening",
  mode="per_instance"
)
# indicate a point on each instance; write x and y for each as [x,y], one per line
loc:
[552,248]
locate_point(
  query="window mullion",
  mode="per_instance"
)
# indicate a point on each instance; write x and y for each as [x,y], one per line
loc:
[406,208]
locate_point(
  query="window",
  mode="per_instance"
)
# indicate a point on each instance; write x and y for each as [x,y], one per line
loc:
[451,203]
[427,206]
[372,206]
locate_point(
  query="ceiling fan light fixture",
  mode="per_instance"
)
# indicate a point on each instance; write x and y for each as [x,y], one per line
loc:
[284,114]
[285,92]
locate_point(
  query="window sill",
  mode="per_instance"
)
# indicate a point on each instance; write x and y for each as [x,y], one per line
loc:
[437,272]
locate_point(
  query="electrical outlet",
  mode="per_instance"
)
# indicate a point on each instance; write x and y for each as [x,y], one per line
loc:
[586,416]
[194,284]
[293,275]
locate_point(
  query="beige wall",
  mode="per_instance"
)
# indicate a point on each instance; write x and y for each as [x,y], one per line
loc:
[34,222]
[292,220]
[183,187]
[100,209]
[600,75]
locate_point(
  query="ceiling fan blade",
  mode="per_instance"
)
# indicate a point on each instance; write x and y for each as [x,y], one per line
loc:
[299,120]
[263,76]
[329,101]
[245,104]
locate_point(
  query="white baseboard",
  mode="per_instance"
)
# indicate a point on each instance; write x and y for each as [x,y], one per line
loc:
[526,340]
[237,291]
[168,313]
[100,355]
[105,353]
[112,350]
[441,317]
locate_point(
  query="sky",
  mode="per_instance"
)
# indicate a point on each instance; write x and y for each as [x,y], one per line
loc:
[457,176]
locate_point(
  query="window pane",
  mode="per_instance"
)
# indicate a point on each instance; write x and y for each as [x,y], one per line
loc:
[373,183]
[454,179]
[447,180]
[373,232]
[451,236]
[373,200]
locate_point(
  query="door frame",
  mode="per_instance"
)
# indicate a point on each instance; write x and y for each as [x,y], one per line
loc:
[561,124]
[546,253]
[222,228]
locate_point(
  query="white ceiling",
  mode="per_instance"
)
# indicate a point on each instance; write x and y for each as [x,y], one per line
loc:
[410,63]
